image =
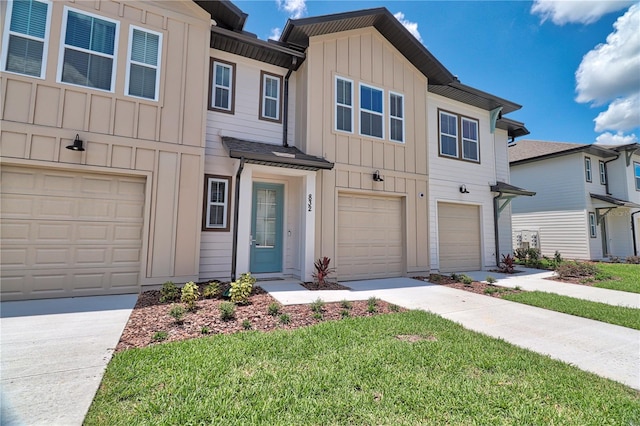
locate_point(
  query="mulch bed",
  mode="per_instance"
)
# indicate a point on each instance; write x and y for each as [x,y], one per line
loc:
[326,286]
[150,316]
[477,287]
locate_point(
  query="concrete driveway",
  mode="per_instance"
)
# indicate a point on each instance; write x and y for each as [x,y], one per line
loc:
[53,354]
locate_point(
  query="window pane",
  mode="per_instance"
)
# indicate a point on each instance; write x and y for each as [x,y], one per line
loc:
[78,30]
[142,81]
[221,98]
[396,130]
[216,216]
[371,124]
[75,68]
[449,145]
[343,92]
[395,109]
[271,88]
[24,56]
[271,108]
[223,76]
[144,47]
[103,36]
[100,69]
[343,118]
[469,130]
[29,17]
[448,124]
[470,150]
[371,99]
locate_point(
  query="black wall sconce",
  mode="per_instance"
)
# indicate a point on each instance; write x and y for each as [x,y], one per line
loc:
[376,176]
[77,144]
[463,189]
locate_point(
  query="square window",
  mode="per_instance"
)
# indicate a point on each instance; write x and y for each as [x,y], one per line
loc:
[143,76]
[216,203]
[459,137]
[222,86]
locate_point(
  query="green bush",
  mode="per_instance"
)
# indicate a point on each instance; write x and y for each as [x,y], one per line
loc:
[576,270]
[372,305]
[465,279]
[177,312]
[394,308]
[317,306]
[169,292]
[212,290]
[345,313]
[490,279]
[227,311]
[274,309]
[285,318]
[241,289]
[205,330]
[190,294]
[345,304]
[246,324]
[159,336]
[317,316]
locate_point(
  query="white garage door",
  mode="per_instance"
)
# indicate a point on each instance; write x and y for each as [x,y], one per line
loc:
[69,234]
[370,237]
[459,237]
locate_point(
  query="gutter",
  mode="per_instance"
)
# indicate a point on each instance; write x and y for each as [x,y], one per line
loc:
[285,102]
[606,174]
[236,213]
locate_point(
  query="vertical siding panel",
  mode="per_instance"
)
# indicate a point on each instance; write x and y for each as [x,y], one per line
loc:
[367,153]
[165,193]
[75,108]
[411,229]
[329,146]
[46,107]
[354,57]
[389,156]
[188,225]
[387,63]
[169,129]
[365,57]
[342,56]
[193,114]
[354,151]
[378,154]
[19,94]
[377,60]
[419,162]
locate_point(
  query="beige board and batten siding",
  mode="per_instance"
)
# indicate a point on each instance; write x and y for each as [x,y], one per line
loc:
[364,56]
[161,140]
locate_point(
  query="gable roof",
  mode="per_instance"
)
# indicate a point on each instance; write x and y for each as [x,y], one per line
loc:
[526,151]
[226,14]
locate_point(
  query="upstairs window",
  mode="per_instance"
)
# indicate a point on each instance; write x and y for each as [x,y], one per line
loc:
[270,86]
[469,139]
[223,81]
[459,137]
[448,134]
[216,203]
[88,50]
[143,62]
[587,169]
[603,172]
[344,105]
[396,117]
[25,38]
[636,173]
[371,112]
[593,230]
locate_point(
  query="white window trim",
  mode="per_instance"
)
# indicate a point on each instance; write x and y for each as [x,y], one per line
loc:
[457,136]
[224,204]
[264,97]
[463,139]
[603,172]
[593,225]
[130,62]
[368,111]
[588,171]
[214,86]
[394,117]
[336,104]
[63,30]
[45,47]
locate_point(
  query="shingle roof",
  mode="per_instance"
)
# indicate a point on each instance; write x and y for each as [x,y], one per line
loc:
[614,201]
[273,155]
[530,150]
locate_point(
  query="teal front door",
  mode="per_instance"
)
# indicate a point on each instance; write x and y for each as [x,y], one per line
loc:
[266,227]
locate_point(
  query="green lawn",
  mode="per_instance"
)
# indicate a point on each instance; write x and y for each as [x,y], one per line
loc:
[624,316]
[355,371]
[628,277]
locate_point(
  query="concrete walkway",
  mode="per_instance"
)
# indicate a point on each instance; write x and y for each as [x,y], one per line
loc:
[534,279]
[53,355]
[608,350]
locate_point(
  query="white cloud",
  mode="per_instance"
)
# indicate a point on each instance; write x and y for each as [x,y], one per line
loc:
[610,70]
[275,33]
[622,114]
[576,11]
[411,26]
[617,139]
[295,8]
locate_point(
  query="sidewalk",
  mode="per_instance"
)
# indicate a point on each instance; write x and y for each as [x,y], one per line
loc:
[607,350]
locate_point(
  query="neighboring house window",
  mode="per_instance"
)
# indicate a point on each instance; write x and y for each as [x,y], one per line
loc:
[587,168]
[371,111]
[88,52]
[270,87]
[26,37]
[344,105]
[592,225]
[603,172]
[143,63]
[222,89]
[396,117]
[216,203]
[459,137]
[636,173]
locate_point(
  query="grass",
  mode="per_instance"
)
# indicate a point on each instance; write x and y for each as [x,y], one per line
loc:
[618,315]
[355,371]
[628,277]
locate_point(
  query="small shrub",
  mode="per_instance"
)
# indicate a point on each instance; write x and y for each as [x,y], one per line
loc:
[159,336]
[246,324]
[317,306]
[345,313]
[169,292]
[372,304]
[490,279]
[273,309]
[533,254]
[507,264]
[491,290]
[455,277]
[227,311]
[345,304]
[557,257]
[394,308]
[576,270]
[633,259]
[205,330]
[518,288]
[212,290]
[285,318]
[322,270]
[317,316]
[190,294]
[602,276]
[177,312]
[241,289]
[465,279]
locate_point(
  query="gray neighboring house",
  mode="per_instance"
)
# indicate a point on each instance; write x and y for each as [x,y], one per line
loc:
[588,198]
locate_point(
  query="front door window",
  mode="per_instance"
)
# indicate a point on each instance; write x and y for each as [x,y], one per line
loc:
[265,218]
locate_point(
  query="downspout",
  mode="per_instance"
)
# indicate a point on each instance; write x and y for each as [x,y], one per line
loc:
[606,174]
[633,234]
[285,104]
[236,213]
[495,226]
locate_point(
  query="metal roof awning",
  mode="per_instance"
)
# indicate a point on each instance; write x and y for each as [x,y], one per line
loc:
[616,202]
[509,189]
[274,155]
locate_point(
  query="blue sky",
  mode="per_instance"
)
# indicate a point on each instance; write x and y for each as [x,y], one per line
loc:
[574,66]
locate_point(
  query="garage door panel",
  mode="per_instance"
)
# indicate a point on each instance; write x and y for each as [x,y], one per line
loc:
[459,237]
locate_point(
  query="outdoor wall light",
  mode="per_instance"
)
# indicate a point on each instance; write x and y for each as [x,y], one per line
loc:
[376,176]
[77,144]
[463,189]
